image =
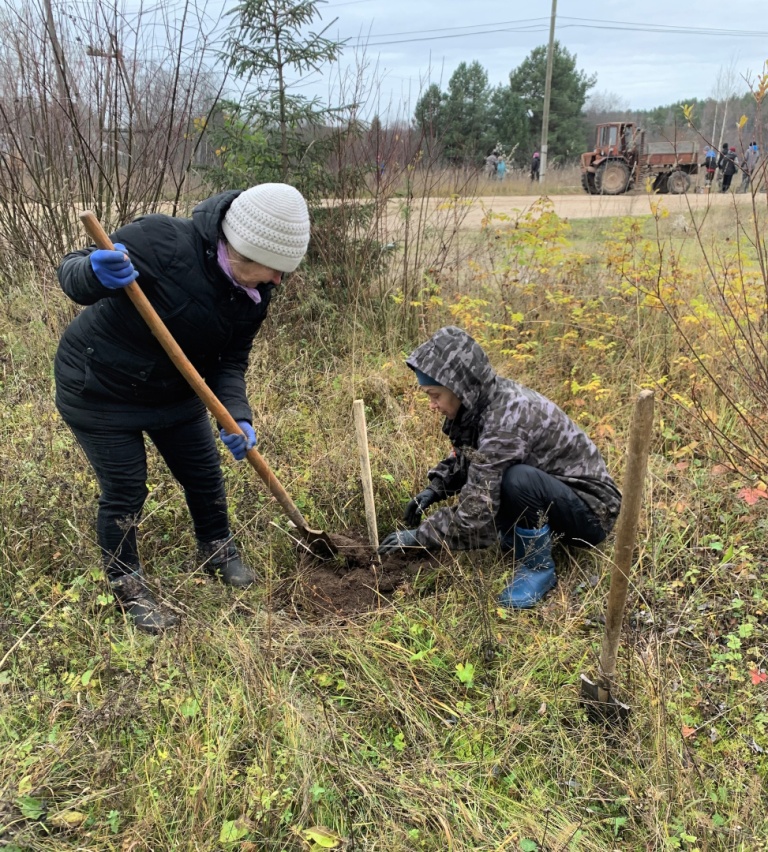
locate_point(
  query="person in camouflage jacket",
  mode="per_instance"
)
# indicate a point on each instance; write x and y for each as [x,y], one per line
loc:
[522,469]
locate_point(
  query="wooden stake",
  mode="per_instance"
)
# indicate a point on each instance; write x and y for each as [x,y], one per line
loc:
[626,533]
[365,471]
[601,704]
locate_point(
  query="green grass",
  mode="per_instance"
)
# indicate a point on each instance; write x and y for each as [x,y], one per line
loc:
[439,722]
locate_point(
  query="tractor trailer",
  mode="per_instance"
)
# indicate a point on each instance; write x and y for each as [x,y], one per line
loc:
[622,159]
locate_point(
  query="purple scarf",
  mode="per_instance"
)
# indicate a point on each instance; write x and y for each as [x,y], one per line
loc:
[223,258]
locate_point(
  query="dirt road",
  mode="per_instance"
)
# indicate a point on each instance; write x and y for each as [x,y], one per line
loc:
[594,206]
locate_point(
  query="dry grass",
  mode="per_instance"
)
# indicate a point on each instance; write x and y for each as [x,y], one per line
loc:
[444,182]
[247,726]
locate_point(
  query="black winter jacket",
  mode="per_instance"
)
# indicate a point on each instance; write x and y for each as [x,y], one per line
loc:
[730,165]
[109,365]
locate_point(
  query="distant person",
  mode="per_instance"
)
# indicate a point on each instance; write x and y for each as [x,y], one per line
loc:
[535,166]
[730,167]
[501,169]
[749,166]
[491,165]
[723,156]
[710,164]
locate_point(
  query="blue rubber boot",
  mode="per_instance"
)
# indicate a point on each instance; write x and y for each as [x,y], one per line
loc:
[534,567]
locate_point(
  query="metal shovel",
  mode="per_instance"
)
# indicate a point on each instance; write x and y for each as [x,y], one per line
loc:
[318,541]
[597,696]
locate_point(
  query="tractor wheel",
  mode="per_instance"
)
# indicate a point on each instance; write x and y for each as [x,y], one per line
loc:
[612,178]
[588,182]
[678,182]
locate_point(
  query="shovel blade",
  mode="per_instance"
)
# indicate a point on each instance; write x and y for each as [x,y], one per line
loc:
[600,705]
[319,543]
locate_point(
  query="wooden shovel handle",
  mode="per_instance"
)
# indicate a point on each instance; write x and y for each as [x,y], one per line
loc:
[195,380]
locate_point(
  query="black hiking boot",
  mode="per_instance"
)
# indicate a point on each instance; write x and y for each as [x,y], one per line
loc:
[136,600]
[220,559]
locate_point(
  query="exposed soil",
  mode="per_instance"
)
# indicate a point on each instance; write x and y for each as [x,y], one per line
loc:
[354,581]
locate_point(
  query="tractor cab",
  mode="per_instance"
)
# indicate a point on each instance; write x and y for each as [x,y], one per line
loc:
[617,139]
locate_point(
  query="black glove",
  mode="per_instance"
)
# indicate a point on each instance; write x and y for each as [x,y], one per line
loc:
[398,541]
[415,508]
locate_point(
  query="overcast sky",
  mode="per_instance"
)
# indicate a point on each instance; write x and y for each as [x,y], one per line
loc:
[655,53]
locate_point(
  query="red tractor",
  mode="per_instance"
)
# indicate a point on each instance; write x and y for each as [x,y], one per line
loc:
[622,159]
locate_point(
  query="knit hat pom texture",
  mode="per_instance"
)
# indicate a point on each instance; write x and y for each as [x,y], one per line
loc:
[269,224]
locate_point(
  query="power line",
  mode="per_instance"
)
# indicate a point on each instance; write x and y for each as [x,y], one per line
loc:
[464,27]
[530,28]
[534,25]
[671,27]
[349,3]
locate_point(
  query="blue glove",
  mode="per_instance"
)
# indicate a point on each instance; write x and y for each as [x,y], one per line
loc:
[398,541]
[239,445]
[112,268]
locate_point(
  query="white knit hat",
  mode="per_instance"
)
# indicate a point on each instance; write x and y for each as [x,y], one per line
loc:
[269,224]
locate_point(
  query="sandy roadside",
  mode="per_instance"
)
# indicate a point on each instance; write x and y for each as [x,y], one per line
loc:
[596,206]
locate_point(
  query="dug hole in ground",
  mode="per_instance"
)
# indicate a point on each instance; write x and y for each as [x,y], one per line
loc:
[356,580]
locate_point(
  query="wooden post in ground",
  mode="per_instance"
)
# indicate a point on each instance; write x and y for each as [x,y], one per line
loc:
[365,471]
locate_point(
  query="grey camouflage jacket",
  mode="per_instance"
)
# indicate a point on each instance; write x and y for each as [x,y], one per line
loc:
[499,424]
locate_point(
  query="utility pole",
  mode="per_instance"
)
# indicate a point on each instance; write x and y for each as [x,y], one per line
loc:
[67,88]
[547,93]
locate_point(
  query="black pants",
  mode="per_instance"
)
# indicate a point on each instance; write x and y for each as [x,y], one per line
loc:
[530,496]
[726,182]
[119,460]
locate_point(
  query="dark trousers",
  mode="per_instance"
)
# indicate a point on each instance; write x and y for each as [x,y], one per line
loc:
[726,182]
[529,497]
[119,460]
[745,179]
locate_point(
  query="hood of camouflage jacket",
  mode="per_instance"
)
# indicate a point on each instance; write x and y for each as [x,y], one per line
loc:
[455,360]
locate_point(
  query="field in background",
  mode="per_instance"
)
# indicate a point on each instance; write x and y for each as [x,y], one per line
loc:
[438,722]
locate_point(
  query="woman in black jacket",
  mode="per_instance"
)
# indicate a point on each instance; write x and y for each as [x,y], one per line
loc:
[210,278]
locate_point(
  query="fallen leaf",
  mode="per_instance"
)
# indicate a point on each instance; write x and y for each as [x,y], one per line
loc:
[751,495]
[686,450]
[320,837]
[67,819]
[719,470]
[758,676]
[688,731]
[233,830]
[543,708]
[684,465]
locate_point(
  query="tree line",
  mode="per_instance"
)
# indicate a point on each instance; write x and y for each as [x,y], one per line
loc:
[471,118]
